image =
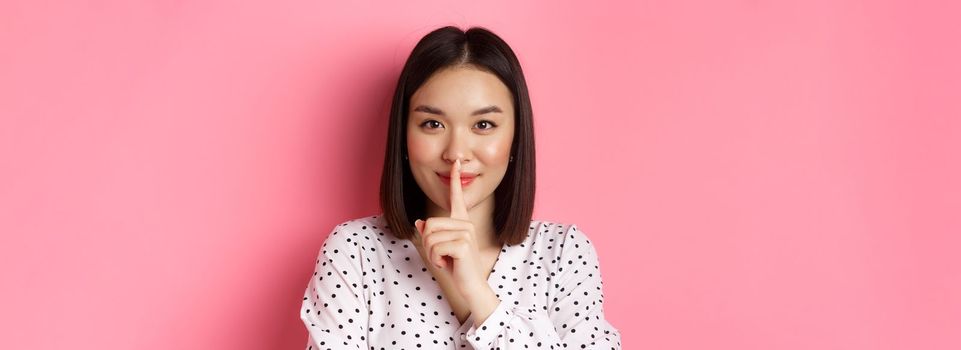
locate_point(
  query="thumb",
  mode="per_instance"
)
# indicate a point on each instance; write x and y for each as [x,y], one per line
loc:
[419,225]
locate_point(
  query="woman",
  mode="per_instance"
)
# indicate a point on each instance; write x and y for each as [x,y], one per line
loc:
[455,260]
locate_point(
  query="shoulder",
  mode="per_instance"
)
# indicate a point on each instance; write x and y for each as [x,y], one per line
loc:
[558,238]
[547,231]
[354,234]
[368,223]
[572,255]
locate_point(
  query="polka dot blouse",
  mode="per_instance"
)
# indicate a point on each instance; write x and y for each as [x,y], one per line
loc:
[371,290]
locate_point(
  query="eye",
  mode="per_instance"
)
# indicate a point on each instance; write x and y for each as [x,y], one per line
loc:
[486,124]
[431,124]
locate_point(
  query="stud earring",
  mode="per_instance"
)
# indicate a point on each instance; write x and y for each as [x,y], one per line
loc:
[512,159]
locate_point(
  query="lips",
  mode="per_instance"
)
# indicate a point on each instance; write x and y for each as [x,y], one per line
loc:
[463,174]
[465,178]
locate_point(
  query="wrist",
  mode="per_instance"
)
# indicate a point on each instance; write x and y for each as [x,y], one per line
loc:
[482,303]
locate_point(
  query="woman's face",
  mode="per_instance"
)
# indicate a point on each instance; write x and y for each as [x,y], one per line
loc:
[460,113]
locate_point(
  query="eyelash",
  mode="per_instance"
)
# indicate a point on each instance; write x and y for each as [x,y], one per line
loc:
[492,124]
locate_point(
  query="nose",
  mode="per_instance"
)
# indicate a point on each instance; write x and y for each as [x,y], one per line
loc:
[458,147]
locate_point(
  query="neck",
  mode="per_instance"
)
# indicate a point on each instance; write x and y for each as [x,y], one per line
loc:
[481,215]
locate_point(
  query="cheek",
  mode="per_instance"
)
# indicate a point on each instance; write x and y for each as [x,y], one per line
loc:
[497,151]
[419,148]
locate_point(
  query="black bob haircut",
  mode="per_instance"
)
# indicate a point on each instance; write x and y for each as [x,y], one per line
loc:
[401,199]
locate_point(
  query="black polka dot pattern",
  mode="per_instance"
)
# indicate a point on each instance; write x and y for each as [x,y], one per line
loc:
[371,290]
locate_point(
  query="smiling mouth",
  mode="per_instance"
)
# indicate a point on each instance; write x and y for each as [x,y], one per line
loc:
[464,180]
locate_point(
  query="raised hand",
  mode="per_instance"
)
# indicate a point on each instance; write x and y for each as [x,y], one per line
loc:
[450,241]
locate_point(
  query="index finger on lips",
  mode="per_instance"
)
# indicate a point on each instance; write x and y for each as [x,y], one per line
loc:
[458,209]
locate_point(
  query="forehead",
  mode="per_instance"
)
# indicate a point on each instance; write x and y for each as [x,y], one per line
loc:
[460,89]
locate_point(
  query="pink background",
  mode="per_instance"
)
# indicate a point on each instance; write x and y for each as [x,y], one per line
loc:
[755,174]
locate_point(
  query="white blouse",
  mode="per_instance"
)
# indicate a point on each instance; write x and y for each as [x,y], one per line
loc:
[371,290]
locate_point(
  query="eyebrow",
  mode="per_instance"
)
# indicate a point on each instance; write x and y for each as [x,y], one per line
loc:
[435,110]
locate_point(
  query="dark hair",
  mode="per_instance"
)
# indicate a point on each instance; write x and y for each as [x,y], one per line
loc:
[401,200]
